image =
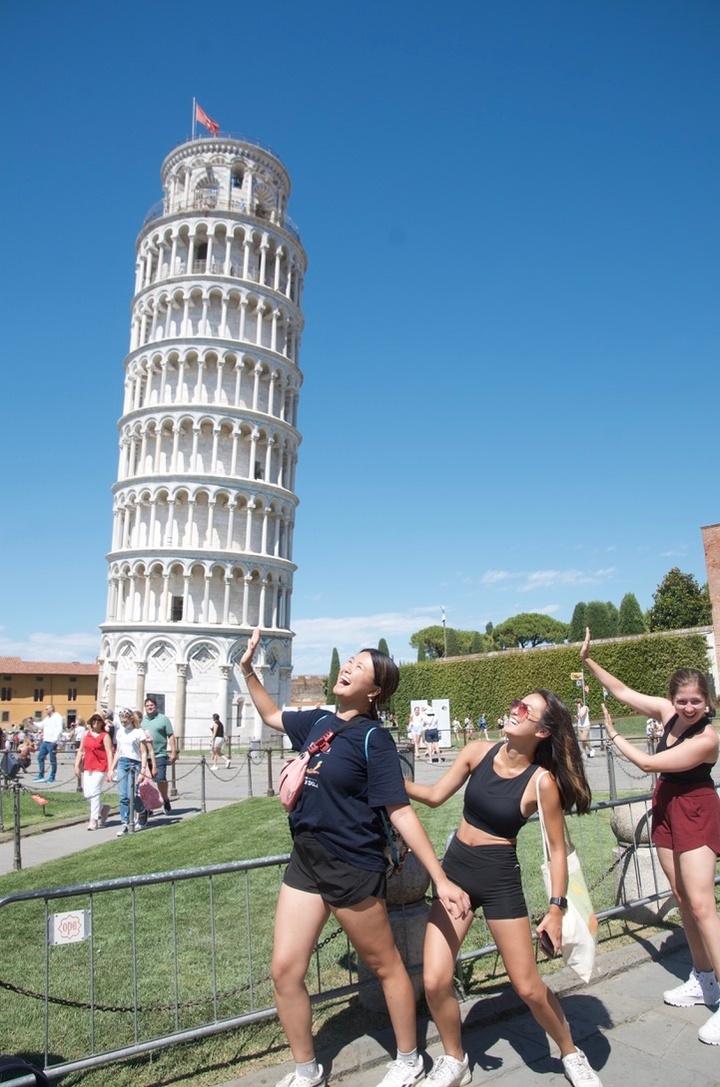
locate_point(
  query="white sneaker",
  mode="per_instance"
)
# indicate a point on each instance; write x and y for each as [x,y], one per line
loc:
[403,1073]
[124,829]
[710,1032]
[450,1072]
[578,1070]
[292,1079]
[227,764]
[700,988]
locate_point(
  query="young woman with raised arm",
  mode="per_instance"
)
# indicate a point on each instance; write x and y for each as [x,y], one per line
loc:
[540,750]
[685,816]
[337,864]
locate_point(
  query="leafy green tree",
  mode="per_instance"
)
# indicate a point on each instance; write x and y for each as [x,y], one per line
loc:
[529,628]
[599,620]
[422,653]
[630,619]
[332,674]
[459,642]
[578,622]
[383,647]
[679,602]
[432,639]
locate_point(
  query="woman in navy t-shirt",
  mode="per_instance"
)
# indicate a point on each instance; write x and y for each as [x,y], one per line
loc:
[337,864]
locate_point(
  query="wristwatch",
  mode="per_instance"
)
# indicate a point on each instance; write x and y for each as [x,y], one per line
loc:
[559,900]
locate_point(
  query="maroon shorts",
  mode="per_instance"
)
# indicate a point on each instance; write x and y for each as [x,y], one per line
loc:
[685,816]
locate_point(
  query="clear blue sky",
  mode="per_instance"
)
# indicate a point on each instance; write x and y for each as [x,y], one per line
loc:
[510,212]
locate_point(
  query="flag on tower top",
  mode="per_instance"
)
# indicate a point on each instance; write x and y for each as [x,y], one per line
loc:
[207,122]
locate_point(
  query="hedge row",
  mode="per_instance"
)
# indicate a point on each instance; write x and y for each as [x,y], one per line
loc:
[489,683]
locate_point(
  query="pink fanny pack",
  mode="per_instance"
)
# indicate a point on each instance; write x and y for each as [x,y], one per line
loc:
[292,775]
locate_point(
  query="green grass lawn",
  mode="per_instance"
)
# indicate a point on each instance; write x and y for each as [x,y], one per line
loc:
[60,806]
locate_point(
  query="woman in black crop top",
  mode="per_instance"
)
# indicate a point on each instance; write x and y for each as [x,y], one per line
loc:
[500,796]
[685,817]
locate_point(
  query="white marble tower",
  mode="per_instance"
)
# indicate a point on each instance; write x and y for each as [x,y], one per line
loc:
[204,504]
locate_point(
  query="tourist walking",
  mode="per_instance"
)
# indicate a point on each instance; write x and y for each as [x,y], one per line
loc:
[415,729]
[337,865]
[583,728]
[164,744]
[52,730]
[93,763]
[685,816]
[218,740]
[539,751]
[133,753]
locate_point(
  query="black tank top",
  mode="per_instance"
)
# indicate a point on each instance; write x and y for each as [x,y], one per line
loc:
[219,730]
[703,772]
[492,803]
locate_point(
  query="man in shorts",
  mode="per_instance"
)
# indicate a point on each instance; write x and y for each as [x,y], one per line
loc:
[164,745]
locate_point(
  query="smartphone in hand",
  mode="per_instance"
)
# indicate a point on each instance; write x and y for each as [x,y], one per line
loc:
[547,945]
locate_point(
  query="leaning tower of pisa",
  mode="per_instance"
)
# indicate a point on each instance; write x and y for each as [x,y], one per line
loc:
[204,503]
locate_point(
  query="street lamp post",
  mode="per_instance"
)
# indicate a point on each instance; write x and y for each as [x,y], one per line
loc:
[444,626]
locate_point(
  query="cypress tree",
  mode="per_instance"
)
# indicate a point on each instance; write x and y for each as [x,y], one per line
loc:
[332,675]
[578,623]
[630,619]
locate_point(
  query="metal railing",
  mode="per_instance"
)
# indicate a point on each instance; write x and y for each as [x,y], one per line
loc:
[125,966]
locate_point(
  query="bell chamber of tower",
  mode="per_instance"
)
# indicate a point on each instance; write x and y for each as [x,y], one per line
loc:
[204,503]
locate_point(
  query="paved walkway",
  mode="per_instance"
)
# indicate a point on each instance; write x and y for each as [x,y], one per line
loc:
[630,1036]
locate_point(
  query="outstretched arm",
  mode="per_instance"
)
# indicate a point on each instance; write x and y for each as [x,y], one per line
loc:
[680,757]
[264,704]
[435,795]
[644,703]
[453,898]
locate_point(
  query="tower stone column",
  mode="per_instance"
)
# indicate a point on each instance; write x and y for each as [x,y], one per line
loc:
[204,505]
[711,544]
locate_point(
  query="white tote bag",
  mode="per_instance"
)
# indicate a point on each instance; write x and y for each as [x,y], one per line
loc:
[579,924]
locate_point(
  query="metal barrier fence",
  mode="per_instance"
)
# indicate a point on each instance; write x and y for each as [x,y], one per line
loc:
[113,969]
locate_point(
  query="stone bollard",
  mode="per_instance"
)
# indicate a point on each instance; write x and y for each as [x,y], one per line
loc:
[637,872]
[408,912]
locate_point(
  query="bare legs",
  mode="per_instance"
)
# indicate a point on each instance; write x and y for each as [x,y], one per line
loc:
[443,937]
[368,928]
[514,943]
[298,922]
[442,943]
[692,878]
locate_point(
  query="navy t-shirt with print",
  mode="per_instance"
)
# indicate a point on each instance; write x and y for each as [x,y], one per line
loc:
[343,789]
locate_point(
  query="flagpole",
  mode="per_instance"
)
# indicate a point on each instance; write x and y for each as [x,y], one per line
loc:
[194,114]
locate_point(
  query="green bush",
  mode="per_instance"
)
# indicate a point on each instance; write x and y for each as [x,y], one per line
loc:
[489,683]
